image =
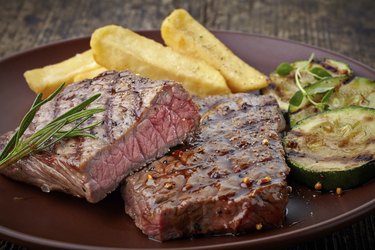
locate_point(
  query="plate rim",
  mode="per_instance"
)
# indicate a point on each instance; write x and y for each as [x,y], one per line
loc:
[304,233]
[215,31]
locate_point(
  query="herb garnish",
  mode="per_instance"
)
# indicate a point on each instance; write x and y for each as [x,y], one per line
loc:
[284,69]
[318,73]
[18,147]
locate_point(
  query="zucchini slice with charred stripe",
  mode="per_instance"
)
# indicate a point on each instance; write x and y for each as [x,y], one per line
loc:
[334,148]
[359,91]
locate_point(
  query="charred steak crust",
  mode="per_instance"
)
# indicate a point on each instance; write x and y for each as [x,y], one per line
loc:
[232,178]
[141,121]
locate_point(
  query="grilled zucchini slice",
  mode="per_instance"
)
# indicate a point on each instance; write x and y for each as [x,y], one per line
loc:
[334,148]
[359,91]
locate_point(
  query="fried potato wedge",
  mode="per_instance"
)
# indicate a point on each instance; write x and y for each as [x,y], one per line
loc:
[89,74]
[117,48]
[47,79]
[184,34]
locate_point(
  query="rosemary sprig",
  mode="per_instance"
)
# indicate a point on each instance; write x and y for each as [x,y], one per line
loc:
[19,147]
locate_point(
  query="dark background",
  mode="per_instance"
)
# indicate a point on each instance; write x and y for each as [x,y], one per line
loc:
[346,27]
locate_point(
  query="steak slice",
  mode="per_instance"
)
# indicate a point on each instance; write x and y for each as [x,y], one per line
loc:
[141,121]
[231,179]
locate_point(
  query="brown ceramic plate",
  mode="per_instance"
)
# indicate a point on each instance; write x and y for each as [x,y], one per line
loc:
[55,220]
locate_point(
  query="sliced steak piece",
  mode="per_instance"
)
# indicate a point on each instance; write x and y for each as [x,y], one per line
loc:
[141,121]
[231,179]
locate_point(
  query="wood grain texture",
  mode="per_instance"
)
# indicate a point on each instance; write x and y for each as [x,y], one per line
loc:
[347,27]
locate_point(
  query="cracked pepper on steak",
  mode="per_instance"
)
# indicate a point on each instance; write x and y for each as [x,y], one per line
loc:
[141,121]
[230,179]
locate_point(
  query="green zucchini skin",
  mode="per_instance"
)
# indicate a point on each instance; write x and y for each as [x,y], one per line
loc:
[346,91]
[334,165]
[333,179]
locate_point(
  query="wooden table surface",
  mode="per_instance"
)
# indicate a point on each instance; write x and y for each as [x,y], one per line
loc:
[347,27]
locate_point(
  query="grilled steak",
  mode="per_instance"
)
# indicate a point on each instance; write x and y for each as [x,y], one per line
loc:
[142,120]
[231,179]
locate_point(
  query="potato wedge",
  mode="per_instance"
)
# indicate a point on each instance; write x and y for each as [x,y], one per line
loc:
[117,48]
[47,79]
[185,35]
[89,74]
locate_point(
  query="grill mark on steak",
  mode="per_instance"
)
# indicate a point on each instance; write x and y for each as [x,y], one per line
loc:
[108,119]
[109,111]
[139,101]
[91,168]
[229,179]
[56,109]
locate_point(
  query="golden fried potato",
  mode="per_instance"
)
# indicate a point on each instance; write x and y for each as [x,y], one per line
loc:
[118,48]
[89,74]
[185,35]
[47,79]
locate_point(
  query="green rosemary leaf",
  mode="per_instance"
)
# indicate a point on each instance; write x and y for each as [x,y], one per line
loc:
[66,133]
[91,125]
[79,134]
[8,147]
[25,122]
[79,107]
[17,148]
[84,113]
[38,144]
[30,145]
[78,130]
[38,102]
